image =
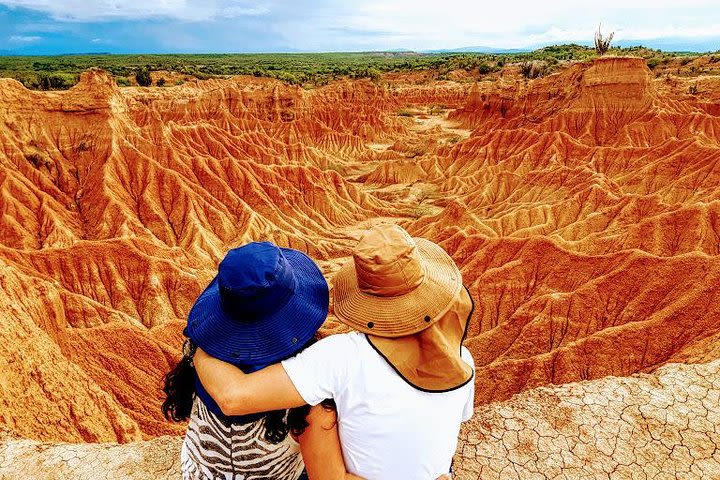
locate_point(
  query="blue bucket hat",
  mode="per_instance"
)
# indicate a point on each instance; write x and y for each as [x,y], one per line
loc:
[263,306]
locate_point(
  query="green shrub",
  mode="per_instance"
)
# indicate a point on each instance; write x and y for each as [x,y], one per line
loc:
[373,73]
[142,77]
[55,81]
[161,82]
[484,69]
[27,79]
[366,72]
[653,62]
[287,77]
[122,82]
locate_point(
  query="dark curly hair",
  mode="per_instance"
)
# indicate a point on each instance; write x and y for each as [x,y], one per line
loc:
[297,417]
[179,388]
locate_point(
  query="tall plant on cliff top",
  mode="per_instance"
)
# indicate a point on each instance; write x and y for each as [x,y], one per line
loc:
[602,44]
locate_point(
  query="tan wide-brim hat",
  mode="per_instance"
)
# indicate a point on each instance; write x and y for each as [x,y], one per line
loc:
[431,360]
[395,285]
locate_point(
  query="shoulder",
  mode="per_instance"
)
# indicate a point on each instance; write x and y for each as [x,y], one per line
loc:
[329,351]
[341,342]
[467,357]
[324,369]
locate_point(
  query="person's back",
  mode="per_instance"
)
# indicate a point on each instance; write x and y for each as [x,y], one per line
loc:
[265,304]
[215,447]
[388,428]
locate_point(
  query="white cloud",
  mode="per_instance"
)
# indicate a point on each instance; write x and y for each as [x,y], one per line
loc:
[425,24]
[385,24]
[24,39]
[101,10]
[236,11]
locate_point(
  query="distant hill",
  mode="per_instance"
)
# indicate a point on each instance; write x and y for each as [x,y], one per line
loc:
[699,45]
[479,49]
[675,45]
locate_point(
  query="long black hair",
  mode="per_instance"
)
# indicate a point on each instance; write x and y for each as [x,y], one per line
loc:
[179,391]
[179,386]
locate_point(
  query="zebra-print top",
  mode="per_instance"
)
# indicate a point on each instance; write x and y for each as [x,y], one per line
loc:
[217,450]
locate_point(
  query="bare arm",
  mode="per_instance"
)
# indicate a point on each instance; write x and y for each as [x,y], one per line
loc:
[320,447]
[238,393]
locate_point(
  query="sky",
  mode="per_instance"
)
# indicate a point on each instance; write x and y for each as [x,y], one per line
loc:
[198,26]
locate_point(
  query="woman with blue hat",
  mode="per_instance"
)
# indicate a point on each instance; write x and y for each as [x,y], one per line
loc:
[265,305]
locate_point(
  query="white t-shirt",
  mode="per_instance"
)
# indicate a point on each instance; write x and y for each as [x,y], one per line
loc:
[388,429]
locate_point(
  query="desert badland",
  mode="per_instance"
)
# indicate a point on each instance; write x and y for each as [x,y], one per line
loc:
[583,208]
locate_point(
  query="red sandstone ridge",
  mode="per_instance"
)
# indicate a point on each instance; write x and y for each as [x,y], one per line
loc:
[586,218]
[583,209]
[116,206]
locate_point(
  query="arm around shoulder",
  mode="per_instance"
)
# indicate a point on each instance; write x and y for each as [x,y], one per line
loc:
[238,393]
[324,369]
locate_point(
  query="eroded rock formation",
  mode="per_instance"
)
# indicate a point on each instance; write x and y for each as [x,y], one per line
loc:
[583,209]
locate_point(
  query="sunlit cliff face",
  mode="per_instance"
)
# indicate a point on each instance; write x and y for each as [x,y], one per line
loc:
[583,209]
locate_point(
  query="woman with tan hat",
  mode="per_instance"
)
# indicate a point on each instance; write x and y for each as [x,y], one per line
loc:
[402,382]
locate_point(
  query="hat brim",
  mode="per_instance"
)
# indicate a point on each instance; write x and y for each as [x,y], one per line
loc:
[264,341]
[399,315]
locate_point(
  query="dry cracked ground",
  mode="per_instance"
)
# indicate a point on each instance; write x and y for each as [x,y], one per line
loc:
[664,425]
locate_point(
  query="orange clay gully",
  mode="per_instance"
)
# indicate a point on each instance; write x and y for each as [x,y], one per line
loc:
[582,207]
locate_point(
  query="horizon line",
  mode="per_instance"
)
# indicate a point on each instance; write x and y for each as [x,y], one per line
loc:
[439,51]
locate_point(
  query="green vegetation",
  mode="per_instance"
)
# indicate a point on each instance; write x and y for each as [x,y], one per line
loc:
[484,68]
[142,77]
[45,81]
[307,69]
